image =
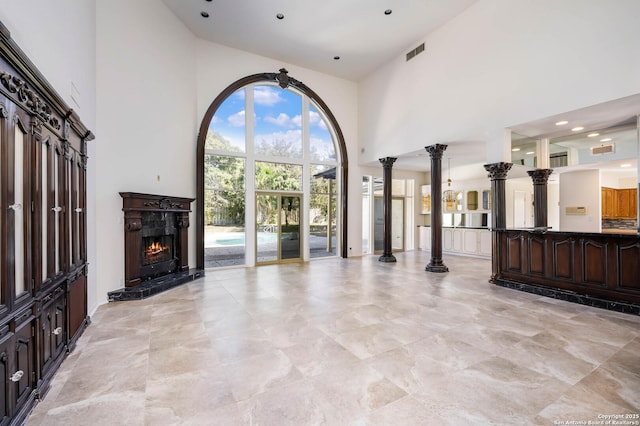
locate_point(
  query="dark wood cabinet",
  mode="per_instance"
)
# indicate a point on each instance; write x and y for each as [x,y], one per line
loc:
[598,269]
[43,262]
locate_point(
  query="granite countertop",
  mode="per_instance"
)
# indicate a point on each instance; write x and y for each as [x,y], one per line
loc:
[608,231]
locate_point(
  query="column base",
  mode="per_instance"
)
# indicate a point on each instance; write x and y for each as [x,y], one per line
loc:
[436,266]
[387,258]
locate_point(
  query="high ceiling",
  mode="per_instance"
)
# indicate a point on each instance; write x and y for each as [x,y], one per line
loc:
[311,34]
[365,34]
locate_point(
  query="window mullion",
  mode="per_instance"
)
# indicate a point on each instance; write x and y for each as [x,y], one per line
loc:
[250,179]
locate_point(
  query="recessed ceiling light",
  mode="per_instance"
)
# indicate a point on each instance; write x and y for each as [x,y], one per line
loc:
[561,123]
[625,165]
[530,153]
[337,58]
[593,135]
[605,140]
[204,14]
[515,149]
[577,129]
[388,12]
[280,16]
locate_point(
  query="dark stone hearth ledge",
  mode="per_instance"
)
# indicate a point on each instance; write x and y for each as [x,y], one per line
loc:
[570,296]
[155,286]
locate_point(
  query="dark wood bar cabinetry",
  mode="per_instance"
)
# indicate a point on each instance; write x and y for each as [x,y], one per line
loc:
[595,269]
[43,290]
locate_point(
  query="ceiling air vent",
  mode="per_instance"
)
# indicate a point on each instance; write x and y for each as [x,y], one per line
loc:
[415,51]
[602,149]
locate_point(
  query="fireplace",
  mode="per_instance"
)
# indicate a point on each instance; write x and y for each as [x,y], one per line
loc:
[156,246]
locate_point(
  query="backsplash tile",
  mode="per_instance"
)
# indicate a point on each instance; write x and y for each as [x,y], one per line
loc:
[619,224]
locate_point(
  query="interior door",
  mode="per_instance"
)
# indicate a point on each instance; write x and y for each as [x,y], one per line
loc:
[378,225]
[519,209]
[397,224]
[278,227]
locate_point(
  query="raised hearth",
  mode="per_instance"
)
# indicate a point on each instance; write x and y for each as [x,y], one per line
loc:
[155,245]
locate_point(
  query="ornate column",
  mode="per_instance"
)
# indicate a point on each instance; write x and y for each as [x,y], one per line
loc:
[498,175]
[436,264]
[540,178]
[387,164]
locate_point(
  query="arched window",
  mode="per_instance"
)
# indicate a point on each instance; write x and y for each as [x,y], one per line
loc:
[272,173]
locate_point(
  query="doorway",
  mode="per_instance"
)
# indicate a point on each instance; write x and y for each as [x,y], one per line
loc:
[278,237]
[397,224]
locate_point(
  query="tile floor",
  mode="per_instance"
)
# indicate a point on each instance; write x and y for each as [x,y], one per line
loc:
[343,342]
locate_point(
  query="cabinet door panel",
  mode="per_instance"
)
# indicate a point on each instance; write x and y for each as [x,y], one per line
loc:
[457,240]
[447,239]
[470,241]
[58,202]
[24,357]
[46,338]
[77,306]
[5,111]
[6,341]
[485,243]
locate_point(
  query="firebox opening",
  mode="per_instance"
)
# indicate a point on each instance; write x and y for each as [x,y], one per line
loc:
[157,249]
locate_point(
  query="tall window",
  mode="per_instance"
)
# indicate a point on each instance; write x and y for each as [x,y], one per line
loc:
[266,140]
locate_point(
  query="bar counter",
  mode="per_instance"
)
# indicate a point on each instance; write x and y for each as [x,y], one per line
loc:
[597,269]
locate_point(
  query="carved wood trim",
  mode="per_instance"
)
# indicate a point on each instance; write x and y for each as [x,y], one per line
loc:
[628,260]
[594,262]
[563,257]
[514,253]
[537,255]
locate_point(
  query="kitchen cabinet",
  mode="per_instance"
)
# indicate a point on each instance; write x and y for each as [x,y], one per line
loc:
[619,203]
[608,203]
[460,241]
[627,203]
[452,240]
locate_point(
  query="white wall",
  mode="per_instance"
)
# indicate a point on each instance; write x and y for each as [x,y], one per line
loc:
[219,66]
[520,184]
[65,55]
[498,64]
[553,205]
[580,189]
[624,178]
[146,91]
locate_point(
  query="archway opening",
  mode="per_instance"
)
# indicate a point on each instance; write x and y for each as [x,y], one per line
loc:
[269,134]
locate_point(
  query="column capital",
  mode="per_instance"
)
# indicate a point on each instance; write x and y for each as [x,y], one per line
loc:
[436,150]
[540,176]
[498,171]
[387,162]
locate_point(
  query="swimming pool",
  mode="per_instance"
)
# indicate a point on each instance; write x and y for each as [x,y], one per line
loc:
[229,239]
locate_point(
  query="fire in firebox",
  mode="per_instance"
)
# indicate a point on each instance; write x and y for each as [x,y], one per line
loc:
[156,251]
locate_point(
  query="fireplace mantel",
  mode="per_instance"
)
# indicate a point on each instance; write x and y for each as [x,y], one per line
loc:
[134,201]
[156,244]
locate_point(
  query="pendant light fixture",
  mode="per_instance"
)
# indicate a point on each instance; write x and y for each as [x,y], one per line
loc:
[449,196]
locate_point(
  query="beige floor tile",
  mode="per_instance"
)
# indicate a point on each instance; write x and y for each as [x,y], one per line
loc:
[347,342]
